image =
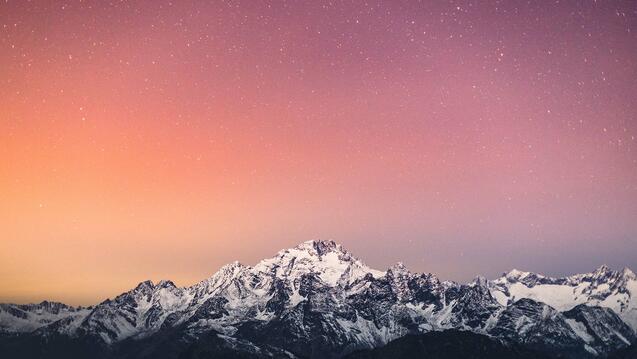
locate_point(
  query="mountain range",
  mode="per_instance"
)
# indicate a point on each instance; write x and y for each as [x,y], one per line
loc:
[317,300]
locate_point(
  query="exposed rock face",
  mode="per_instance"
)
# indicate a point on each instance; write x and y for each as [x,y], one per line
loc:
[317,300]
[616,290]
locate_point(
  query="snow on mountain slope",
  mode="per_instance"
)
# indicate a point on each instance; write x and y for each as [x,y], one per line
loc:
[328,259]
[537,325]
[140,311]
[273,285]
[16,318]
[603,287]
[600,327]
[318,297]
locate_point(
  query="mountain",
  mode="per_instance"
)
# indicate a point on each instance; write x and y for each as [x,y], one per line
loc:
[581,332]
[616,290]
[22,318]
[317,300]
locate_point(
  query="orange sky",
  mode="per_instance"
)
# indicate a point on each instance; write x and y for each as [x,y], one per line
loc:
[150,140]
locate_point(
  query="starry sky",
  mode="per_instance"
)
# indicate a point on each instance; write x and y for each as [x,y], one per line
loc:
[157,139]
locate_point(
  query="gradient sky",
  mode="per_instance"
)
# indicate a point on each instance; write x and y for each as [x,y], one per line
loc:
[155,139]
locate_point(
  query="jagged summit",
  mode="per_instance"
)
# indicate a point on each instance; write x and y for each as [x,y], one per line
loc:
[480,281]
[601,273]
[145,287]
[516,274]
[321,247]
[602,287]
[232,267]
[399,267]
[327,259]
[602,269]
[166,283]
[628,274]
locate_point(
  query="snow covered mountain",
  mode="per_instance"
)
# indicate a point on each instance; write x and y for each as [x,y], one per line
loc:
[317,300]
[616,290]
[23,318]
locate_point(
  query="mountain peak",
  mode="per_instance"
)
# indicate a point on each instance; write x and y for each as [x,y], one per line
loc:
[231,267]
[398,268]
[628,273]
[320,247]
[222,277]
[316,250]
[602,269]
[165,283]
[480,281]
[146,285]
[229,270]
[516,274]
[326,258]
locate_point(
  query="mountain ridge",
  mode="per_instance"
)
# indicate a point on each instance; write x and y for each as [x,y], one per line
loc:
[318,298]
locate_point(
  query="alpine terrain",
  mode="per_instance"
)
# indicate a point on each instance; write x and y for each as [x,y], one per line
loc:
[317,300]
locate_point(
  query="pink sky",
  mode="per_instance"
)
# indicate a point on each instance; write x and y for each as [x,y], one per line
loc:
[144,140]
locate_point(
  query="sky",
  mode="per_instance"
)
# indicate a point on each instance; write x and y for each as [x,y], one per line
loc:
[161,140]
